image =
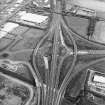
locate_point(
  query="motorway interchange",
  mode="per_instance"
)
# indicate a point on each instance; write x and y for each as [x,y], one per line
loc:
[52,52]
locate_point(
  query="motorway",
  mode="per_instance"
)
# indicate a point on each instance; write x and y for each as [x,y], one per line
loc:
[55,54]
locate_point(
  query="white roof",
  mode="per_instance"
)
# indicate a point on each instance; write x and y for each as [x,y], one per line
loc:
[19,1]
[8,27]
[32,17]
[98,78]
[97,5]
